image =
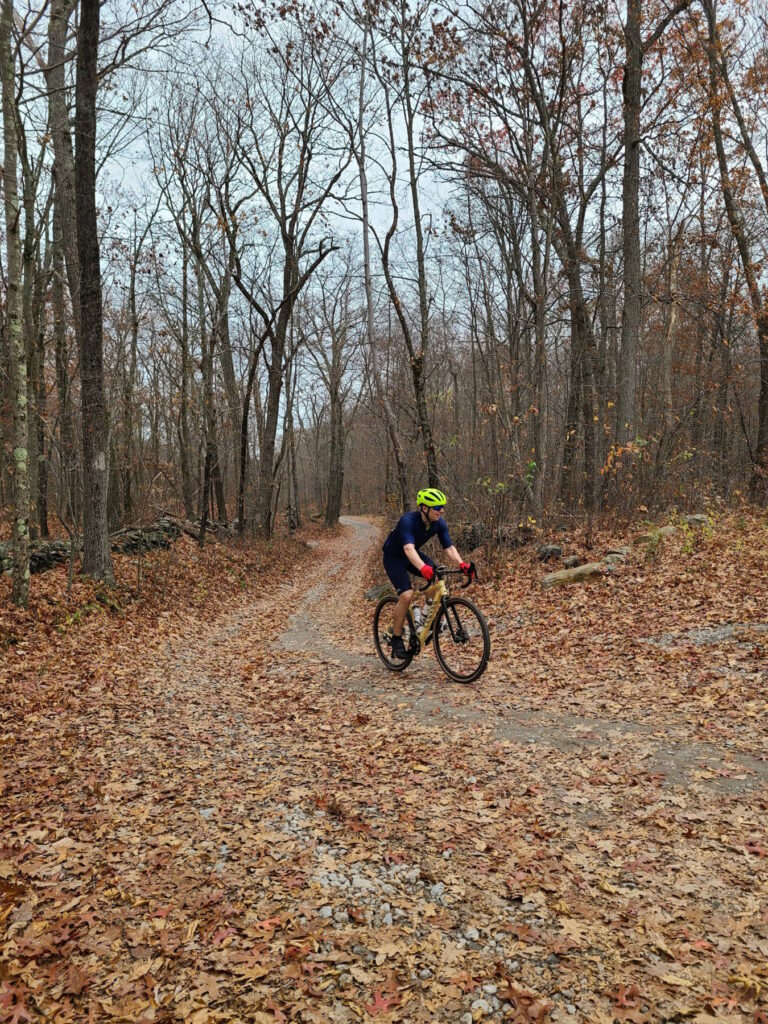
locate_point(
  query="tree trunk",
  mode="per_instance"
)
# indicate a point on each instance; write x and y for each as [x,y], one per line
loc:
[266,484]
[17,352]
[218,482]
[630,321]
[295,477]
[582,393]
[128,393]
[6,415]
[417,363]
[34,370]
[184,442]
[97,557]
[43,277]
[225,359]
[336,462]
[670,335]
[64,161]
[68,496]
[540,264]
[389,416]
[207,341]
[243,472]
[759,480]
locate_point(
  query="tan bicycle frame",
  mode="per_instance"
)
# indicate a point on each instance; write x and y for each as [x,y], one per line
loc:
[437,592]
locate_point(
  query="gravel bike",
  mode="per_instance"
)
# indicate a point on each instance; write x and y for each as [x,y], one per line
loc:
[454,625]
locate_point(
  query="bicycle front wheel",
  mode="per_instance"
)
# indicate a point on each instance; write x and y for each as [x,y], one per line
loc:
[462,641]
[382,635]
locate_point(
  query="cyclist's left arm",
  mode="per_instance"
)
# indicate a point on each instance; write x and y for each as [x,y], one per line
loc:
[450,551]
[449,548]
[453,555]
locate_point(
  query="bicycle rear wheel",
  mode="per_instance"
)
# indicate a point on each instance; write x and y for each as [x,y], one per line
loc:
[461,639]
[382,635]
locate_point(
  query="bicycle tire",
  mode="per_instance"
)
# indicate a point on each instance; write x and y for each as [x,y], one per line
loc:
[379,636]
[453,631]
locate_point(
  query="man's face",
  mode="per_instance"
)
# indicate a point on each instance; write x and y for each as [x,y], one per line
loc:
[433,514]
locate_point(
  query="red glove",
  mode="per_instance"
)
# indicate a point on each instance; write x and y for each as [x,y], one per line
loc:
[468,569]
[427,571]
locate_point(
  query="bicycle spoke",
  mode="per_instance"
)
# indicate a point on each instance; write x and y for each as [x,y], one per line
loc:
[462,645]
[383,633]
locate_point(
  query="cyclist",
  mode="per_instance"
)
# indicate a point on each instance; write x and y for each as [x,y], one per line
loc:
[402,554]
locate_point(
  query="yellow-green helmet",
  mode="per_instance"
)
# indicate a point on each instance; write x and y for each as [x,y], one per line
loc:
[431,497]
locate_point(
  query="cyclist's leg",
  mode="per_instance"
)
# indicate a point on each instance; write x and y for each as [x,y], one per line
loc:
[397,571]
[401,610]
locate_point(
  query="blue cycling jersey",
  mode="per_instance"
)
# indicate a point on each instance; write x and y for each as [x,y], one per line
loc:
[411,530]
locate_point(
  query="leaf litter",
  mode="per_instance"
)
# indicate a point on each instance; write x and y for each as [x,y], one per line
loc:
[203,823]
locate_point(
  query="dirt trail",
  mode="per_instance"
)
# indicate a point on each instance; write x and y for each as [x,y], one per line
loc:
[423,692]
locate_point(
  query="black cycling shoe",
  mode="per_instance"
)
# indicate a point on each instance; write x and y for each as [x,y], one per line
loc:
[398,648]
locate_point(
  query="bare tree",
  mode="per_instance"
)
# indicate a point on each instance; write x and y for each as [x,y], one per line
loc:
[636,48]
[721,89]
[328,322]
[291,162]
[16,348]
[97,556]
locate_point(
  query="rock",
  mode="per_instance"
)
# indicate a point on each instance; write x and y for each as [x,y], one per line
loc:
[44,555]
[481,1004]
[614,558]
[158,535]
[325,912]
[386,920]
[654,535]
[618,551]
[466,1018]
[376,593]
[546,552]
[437,890]
[571,561]
[698,520]
[577,575]
[472,934]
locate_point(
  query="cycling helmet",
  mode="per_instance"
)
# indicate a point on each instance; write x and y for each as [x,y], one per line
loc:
[431,497]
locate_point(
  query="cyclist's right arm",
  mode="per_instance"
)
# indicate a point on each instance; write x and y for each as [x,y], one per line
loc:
[410,552]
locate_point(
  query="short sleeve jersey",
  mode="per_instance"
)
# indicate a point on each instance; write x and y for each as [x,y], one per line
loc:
[411,530]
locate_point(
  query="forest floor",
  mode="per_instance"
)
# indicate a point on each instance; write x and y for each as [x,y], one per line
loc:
[217,805]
